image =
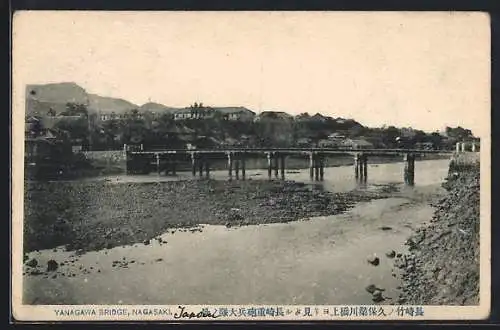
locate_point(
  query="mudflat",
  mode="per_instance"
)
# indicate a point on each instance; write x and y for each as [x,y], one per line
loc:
[322,260]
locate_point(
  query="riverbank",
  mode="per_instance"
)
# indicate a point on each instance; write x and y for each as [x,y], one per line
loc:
[322,261]
[101,214]
[325,257]
[442,267]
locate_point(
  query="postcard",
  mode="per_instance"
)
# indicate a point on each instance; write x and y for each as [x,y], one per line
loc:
[221,166]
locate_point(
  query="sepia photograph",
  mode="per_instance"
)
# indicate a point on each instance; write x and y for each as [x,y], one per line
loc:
[250,165]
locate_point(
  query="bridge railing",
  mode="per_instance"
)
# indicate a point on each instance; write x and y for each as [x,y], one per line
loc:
[293,149]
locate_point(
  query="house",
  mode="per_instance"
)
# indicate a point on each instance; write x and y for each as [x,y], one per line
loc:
[336,137]
[356,144]
[111,115]
[236,113]
[304,142]
[425,146]
[328,143]
[273,115]
[194,113]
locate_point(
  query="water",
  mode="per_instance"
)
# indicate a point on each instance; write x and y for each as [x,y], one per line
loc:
[320,261]
[336,179]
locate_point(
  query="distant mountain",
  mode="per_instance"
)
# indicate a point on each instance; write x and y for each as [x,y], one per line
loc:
[57,93]
[41,98]
[106,104]
[157,107]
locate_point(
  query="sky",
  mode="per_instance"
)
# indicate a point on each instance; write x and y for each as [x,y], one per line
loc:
[424,70]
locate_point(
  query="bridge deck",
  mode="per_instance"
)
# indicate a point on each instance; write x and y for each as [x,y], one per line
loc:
[325,151]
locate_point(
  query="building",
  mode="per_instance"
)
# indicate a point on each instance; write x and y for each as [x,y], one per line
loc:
[236,113]
[336,137]
[111,115]
[355,144]
[328,143]
[273,115]
[194,113]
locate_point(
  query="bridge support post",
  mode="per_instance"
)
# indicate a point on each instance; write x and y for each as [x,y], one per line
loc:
[127,161]
[230,165]
[282,167]
[269,165]
[237,167]
[316,167]
[473,147]
[276,164]
[409,170]
[201,162]
[356,166]
[311,165]
[193,163]
[174,165]
[158,168]
[463,146]
[243,166]
[207,167]
[364,166]
[457,146]
[321,167]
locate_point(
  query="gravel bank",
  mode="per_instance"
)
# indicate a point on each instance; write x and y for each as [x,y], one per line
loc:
[442,267]
[94,215]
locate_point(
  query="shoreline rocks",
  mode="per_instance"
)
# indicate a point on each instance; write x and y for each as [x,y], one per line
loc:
[89,215]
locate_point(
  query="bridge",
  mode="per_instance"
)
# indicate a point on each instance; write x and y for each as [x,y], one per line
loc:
[140,161]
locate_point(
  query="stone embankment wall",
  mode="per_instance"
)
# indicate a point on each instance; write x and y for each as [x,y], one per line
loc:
[442,267]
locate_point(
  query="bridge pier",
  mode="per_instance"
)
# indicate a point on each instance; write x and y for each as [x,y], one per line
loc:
[269,165]
[364,167]
[276,164]
[237,167]
[207,167]
[230,165]
[282,167]
[174,165]
[321,167]
[193,163]
[409,169]
[311,165]
[316,167]
[356,166]
[243,166]
[361,167]
[201,162]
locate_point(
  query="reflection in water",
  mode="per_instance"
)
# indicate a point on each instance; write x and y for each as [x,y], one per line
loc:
[336,179]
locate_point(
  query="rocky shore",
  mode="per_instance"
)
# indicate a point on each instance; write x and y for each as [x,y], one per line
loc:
[89,216]
[442,267]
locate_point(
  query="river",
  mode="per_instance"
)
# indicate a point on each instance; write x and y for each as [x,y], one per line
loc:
[320,261]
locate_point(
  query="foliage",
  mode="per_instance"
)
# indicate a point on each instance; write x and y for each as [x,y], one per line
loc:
[163,131]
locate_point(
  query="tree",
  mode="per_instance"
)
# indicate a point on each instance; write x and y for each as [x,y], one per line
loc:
[75,109]
[389,136]
[459,133]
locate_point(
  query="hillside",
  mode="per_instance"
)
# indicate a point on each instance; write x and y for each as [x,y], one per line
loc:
[41,98]
[156,107]
[109,104]
[57,93]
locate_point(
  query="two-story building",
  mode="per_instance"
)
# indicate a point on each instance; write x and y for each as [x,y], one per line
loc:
[236,113]
[194,113]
